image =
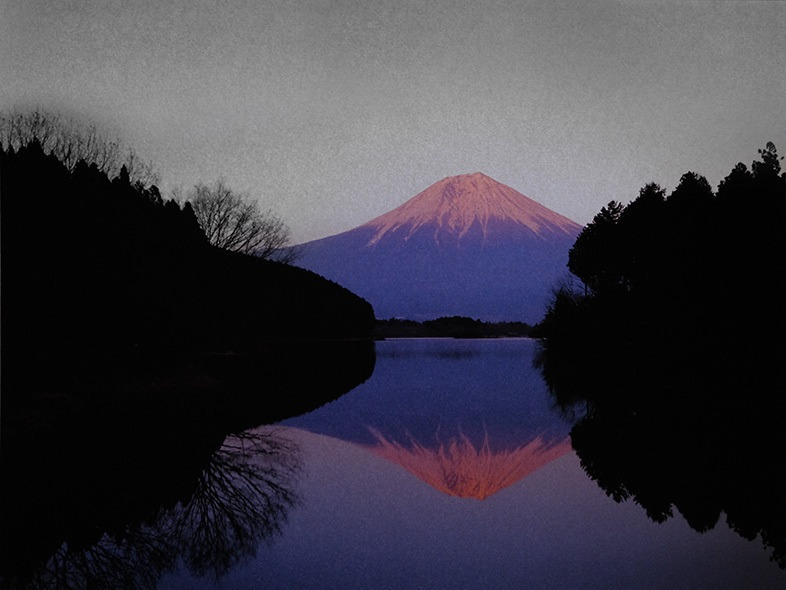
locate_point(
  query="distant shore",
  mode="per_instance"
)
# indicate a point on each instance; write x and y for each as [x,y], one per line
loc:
[448,327]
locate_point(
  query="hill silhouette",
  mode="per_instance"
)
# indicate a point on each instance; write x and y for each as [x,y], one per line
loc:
[91,264]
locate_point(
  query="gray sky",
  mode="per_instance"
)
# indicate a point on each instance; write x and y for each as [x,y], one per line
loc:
[335,111]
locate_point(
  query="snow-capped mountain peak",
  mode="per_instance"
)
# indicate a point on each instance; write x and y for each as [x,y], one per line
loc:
[467,245]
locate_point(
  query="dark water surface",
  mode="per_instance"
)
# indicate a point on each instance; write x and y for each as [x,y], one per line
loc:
[449,468]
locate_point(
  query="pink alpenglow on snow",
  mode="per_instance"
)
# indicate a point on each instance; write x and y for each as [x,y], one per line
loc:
[467,245]
[457,203]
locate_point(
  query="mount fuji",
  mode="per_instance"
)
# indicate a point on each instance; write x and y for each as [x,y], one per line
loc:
[467,245]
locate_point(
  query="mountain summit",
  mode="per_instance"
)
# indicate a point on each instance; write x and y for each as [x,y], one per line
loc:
[467,245]
[458,204]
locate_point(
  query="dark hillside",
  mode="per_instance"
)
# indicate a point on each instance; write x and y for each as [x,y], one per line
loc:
[94,262]
[98,265]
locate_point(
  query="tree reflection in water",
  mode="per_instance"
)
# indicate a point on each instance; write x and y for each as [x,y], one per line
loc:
[671,436]
[241,497]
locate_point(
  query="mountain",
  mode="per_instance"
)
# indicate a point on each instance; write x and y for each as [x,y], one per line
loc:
[467,245]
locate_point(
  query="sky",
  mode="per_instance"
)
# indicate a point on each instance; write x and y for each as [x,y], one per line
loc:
[332,112]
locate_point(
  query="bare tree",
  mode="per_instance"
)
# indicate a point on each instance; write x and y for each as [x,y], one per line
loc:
[233,221]
[71,141]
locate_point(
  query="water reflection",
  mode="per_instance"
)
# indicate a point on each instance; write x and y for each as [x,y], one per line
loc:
[365,522]
[461,468]
[469,418]
[240,498]
[114,471]
[677,437]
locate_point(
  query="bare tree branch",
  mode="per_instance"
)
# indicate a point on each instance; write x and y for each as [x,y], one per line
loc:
[233,221]
[70,142]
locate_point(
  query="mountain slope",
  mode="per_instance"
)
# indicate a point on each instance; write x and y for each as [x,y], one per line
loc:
[467,245]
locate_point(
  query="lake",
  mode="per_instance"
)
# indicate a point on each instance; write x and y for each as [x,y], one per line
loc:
[450,467]
[400,464]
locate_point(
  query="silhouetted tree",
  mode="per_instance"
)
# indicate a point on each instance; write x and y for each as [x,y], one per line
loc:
[643,234]
[233,221]
[692,188]
[596,253]
[737,185]
[769,168]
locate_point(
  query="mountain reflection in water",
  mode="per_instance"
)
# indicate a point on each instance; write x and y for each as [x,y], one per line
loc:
[460,468]
[468,420]
[441,418]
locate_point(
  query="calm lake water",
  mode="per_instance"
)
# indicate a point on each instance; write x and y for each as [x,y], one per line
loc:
[448,468]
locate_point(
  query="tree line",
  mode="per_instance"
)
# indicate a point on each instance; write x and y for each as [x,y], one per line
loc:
[72,142]
[695,274]
[448,327]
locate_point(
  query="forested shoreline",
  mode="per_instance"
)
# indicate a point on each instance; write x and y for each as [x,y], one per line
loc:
[697,274]
[449,327]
